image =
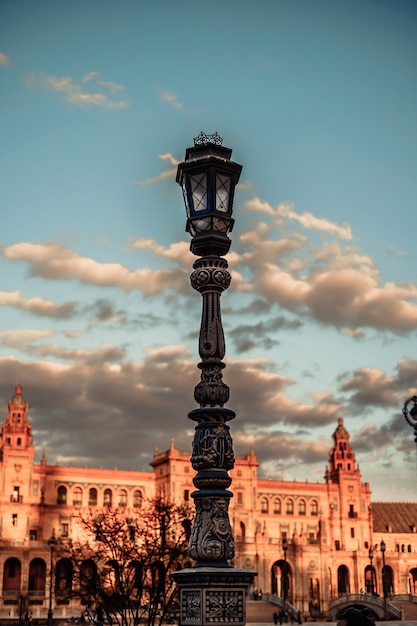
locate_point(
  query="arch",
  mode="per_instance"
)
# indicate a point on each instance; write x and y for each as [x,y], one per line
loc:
[107,497]
[413,581]
[137,499]
[88,574]
[37,577]
[370,579]
[277,506]
[281,579]
[77,496]
[92,497]
[342,580]
[314,507]
[122,498]
[61,496]
[302,507]
[264,505]
[387,580]
[63,577]
[12,574]
[289,506]
[111,577]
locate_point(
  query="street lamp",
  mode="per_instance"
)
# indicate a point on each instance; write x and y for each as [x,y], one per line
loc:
[383,547]
[371,556]
[51,543]
[411,414]
[212,590]
[285,573]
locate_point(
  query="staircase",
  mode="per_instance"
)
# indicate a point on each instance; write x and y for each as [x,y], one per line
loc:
[260,611]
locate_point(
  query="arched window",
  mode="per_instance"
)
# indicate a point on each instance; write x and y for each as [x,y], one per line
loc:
[12,573]
[61,495]
[289,506]
[92,497]
[108,496]
[88,573]
[37,577]
[342,579]
[264,505]
[63,577]
[314,507]
[301,507]
[277,506]
[122,498]
[77,496]
[137,499]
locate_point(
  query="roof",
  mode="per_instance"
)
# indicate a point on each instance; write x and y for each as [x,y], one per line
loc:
[400,516]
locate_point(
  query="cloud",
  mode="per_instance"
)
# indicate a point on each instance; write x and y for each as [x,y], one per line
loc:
[4,59]
[306,220]
[37,305]
[170,98]
[169,173]
[86,93]
[248,336]
[56,262]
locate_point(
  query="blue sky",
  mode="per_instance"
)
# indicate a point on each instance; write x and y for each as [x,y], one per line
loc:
[318,101]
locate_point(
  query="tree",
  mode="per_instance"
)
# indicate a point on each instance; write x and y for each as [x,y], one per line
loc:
[121,560]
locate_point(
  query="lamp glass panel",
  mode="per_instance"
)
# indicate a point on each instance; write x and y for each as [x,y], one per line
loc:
[198,184]
[200,225]
[222,192]
[221,225]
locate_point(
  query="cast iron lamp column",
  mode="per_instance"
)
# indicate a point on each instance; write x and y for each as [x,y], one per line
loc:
[212,591]
[382,547]
[371,556]
[285,573]
[51,543]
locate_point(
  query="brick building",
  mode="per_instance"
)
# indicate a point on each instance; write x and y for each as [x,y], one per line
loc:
[313,543]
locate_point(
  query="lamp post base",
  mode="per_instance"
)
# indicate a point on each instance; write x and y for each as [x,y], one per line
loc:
[213,595]
[50,617]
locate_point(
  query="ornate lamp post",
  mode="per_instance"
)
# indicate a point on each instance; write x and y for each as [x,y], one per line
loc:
[371,556]
[383,547]
[285,572]
[51,543]
[411,414]
[212,591]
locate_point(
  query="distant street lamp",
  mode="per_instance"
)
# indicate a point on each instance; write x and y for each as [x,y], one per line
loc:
[371,556]
[382,547]
[411,414]
[51,543]
[212,590]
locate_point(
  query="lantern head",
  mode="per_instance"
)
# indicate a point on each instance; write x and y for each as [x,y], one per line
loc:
[208,179]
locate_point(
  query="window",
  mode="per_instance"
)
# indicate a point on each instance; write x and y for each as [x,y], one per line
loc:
[33,535]
[352,533]
[337,545]
[314,508]
[239,472]
[64,530]
[108,496]
[277,506]
[239,498]
[14,519]
[302,507]
[92,497]
[123,498]
[186,495]
[77,495]
[264,505]
[289,507]
[186,469]
[61,495]
[137,499]
[35,487]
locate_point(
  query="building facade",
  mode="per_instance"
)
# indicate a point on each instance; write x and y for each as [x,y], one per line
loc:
[311,543]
